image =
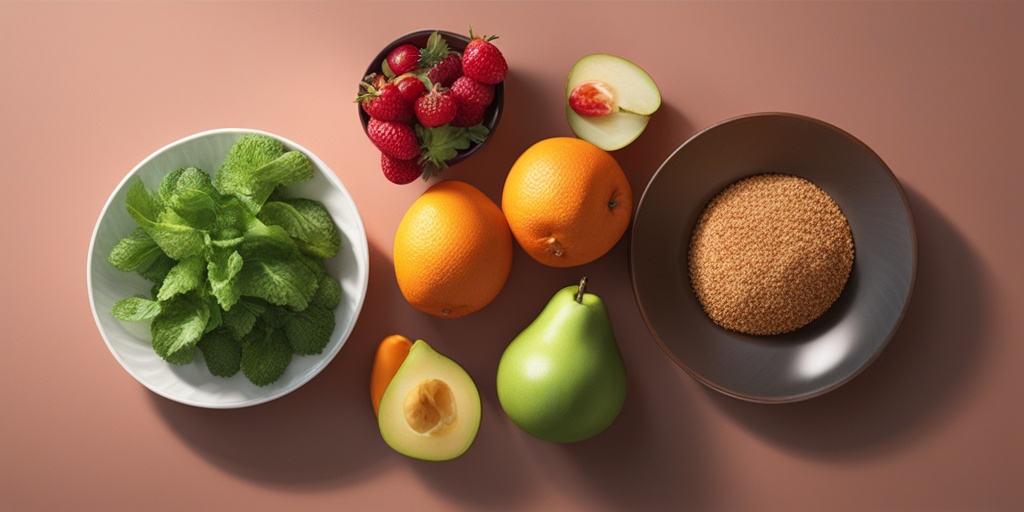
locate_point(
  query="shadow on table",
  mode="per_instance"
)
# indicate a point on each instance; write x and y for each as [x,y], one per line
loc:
[923,375]
[319,435]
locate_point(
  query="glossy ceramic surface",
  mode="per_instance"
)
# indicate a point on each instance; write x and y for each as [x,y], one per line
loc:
[831,350]
[193,384]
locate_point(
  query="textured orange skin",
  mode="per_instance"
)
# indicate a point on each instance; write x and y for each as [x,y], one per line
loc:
[565,194]
[391,353]
[453,250]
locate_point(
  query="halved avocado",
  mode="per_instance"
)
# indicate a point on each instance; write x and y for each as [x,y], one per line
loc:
[431,408]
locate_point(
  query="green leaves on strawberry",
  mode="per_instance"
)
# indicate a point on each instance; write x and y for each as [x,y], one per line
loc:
[442,143]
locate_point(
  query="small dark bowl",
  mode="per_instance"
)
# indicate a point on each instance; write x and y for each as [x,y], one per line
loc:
[456,42]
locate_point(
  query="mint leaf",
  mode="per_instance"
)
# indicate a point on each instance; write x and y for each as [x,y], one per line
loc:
[178,327]
[156,272]
[265,355]
[250,152]
[135,309]
[240,319]
[328,293]
[307,222]
[216,314]
[267,240]
[309,331]
[186,276]
[140,204]
[135,251]
[256,165]
[222,353]
[193,197]
[221,271]
[281,281]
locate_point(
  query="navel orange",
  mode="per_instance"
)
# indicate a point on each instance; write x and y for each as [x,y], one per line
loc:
[567,201]
[453,250]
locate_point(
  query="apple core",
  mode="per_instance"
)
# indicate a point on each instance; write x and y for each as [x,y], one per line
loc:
[430,407]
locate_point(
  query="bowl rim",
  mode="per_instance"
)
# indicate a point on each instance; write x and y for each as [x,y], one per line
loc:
[362,255]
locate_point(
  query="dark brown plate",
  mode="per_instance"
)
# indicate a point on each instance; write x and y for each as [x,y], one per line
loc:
[849,336]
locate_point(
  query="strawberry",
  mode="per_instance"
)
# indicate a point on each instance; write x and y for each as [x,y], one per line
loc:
[472,95]
[411,86]
[400,172]
[470,116]
[435,108]
[482,61]
[446,71]
[403,59]
[397,140]
[383,101]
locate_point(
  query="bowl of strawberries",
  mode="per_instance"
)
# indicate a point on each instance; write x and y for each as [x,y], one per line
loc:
[430,100]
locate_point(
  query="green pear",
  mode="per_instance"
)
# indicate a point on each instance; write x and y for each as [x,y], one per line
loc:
[563,378]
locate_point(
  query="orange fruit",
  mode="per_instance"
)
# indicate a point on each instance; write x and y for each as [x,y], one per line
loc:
[567,201]
[453,250]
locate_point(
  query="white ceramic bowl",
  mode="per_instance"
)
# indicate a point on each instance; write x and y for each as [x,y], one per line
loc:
[130,342]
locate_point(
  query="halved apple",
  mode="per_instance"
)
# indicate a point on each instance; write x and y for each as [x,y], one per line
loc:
[431,408]
[609,100]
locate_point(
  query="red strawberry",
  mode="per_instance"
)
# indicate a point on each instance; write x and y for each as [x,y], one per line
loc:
[397,140]
[384,102]
[471,94]
[446,71]
[469,116]
[482,61]
[411,86]
[435,108]
[403,59]
[400,172]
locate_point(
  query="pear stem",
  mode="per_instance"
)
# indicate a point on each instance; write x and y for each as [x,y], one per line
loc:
[582,290]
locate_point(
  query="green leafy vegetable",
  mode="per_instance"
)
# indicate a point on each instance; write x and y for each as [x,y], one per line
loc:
[308,222]
[135,309]
[186,276]
[137,251]
[308,331]
[222,352]
[255,167]
[178,327]
[265,355]
[236,263]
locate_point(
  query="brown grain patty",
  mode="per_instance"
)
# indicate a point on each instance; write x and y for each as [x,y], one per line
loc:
[770,254]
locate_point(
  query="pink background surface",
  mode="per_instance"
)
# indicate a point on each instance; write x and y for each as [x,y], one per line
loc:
[90,89]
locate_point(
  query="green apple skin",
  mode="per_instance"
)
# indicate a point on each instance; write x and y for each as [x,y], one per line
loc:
[563,379]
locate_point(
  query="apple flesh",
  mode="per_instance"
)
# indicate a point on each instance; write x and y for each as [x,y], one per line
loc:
[609,100]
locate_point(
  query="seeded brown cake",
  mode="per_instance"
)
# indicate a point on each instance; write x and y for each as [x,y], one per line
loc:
[770,254]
